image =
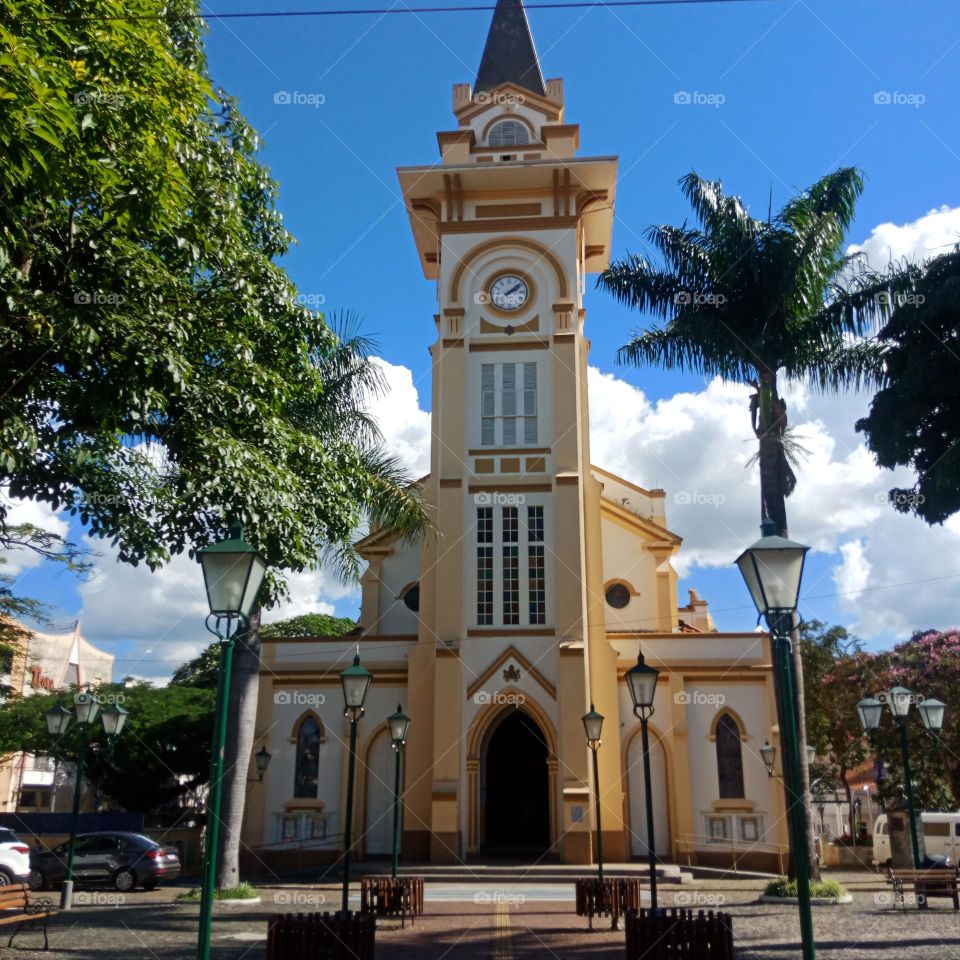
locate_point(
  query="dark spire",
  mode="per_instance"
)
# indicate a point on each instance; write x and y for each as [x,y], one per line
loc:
[509,55]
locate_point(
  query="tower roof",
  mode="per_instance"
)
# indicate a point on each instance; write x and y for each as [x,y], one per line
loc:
[509,55]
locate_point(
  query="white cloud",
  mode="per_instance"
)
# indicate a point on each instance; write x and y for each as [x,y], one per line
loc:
[404,425]
[927,236]
[38,515]
[852,575]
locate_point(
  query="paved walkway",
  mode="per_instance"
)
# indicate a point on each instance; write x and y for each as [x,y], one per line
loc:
[497,922]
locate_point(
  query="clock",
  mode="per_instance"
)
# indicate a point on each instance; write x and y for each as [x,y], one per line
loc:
[509,292]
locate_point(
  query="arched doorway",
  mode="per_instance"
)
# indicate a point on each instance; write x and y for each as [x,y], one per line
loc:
[378,828]
[515,792]
[638,802]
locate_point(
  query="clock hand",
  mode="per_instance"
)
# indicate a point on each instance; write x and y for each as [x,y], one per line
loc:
[514,289]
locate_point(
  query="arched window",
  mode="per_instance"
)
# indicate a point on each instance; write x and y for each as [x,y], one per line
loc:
[308,758]
[729,758]
[411,597]
[508,133]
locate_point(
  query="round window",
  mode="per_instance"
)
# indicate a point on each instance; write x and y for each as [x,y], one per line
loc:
[618,595]
[412,598]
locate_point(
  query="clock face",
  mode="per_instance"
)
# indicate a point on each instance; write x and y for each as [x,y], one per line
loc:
[509,292]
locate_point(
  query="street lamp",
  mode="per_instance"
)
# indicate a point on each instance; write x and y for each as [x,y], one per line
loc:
[768,754]
[772,568]
[642,683]
[593,725]
[262,759]
[931,713]
[58,720]
[355,680]
[233,573]
[399,723]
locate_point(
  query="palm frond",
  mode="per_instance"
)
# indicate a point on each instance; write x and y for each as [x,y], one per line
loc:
[672,349]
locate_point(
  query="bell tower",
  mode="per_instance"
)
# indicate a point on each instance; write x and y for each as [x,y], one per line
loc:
[508,224]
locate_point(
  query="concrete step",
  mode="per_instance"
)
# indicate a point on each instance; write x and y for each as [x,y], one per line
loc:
[524,873]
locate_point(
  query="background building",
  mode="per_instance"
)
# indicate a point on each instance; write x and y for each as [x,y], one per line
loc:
[48,662]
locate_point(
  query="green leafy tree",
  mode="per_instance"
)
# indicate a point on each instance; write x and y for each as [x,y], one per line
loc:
[156,764]
[837,674]
[914,417]
[756,302]
[310,625]
[159,375]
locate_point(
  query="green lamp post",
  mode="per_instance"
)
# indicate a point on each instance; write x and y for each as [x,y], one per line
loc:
[899,700]
[58,720]
[399,724]
[355,681]
[772,568]
[642,684]
[593,725]
[233,573]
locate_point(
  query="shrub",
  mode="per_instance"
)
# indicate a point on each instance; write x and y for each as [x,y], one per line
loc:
[782,887]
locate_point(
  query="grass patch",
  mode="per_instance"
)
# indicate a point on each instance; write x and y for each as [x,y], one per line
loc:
[782,887]
[243,891]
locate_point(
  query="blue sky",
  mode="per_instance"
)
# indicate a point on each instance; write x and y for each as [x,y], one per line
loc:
[793,90]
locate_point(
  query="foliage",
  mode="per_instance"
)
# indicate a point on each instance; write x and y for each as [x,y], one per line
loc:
[929,665]
[751,300]
[839,675]
[309,625]
[160,376]
[835,670]
[203,669]
[782,887]
[167,734]
[913,418]
[242,891]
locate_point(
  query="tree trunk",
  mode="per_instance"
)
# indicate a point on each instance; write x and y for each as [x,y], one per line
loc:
[769,415]
[241,722]
[801,708]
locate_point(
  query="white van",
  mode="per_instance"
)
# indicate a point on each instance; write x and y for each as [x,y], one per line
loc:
[941,834]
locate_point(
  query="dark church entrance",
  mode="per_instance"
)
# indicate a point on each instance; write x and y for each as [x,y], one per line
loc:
[516,801]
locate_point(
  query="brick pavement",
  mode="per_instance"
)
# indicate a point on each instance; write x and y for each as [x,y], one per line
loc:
[150,926]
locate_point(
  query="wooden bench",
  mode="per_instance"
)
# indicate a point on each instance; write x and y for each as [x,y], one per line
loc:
[939,882]
[19,906]
[389,897]
[678,934]
[612,897]
[321,936]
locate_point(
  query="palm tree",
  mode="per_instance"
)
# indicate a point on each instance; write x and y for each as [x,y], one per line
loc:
[759,302]
[339,416]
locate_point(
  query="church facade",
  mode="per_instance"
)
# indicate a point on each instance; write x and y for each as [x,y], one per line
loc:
[546,575]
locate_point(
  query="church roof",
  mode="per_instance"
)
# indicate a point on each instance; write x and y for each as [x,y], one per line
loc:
[509,55]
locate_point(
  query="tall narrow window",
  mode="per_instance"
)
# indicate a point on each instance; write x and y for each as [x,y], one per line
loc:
[536,576]
[529,403]
[488,423]
[508,404]
[307,763]
[729,758]
[511,566]
[484,566]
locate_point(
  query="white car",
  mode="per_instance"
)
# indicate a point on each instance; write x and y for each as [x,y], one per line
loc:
[14,858]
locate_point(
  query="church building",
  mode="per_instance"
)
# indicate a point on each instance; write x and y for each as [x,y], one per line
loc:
[546,576]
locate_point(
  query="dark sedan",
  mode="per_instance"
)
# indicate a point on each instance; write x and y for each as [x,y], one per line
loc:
[122,860]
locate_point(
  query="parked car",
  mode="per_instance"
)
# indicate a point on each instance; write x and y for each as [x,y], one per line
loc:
[941,836]
[123,860]
[14,858]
